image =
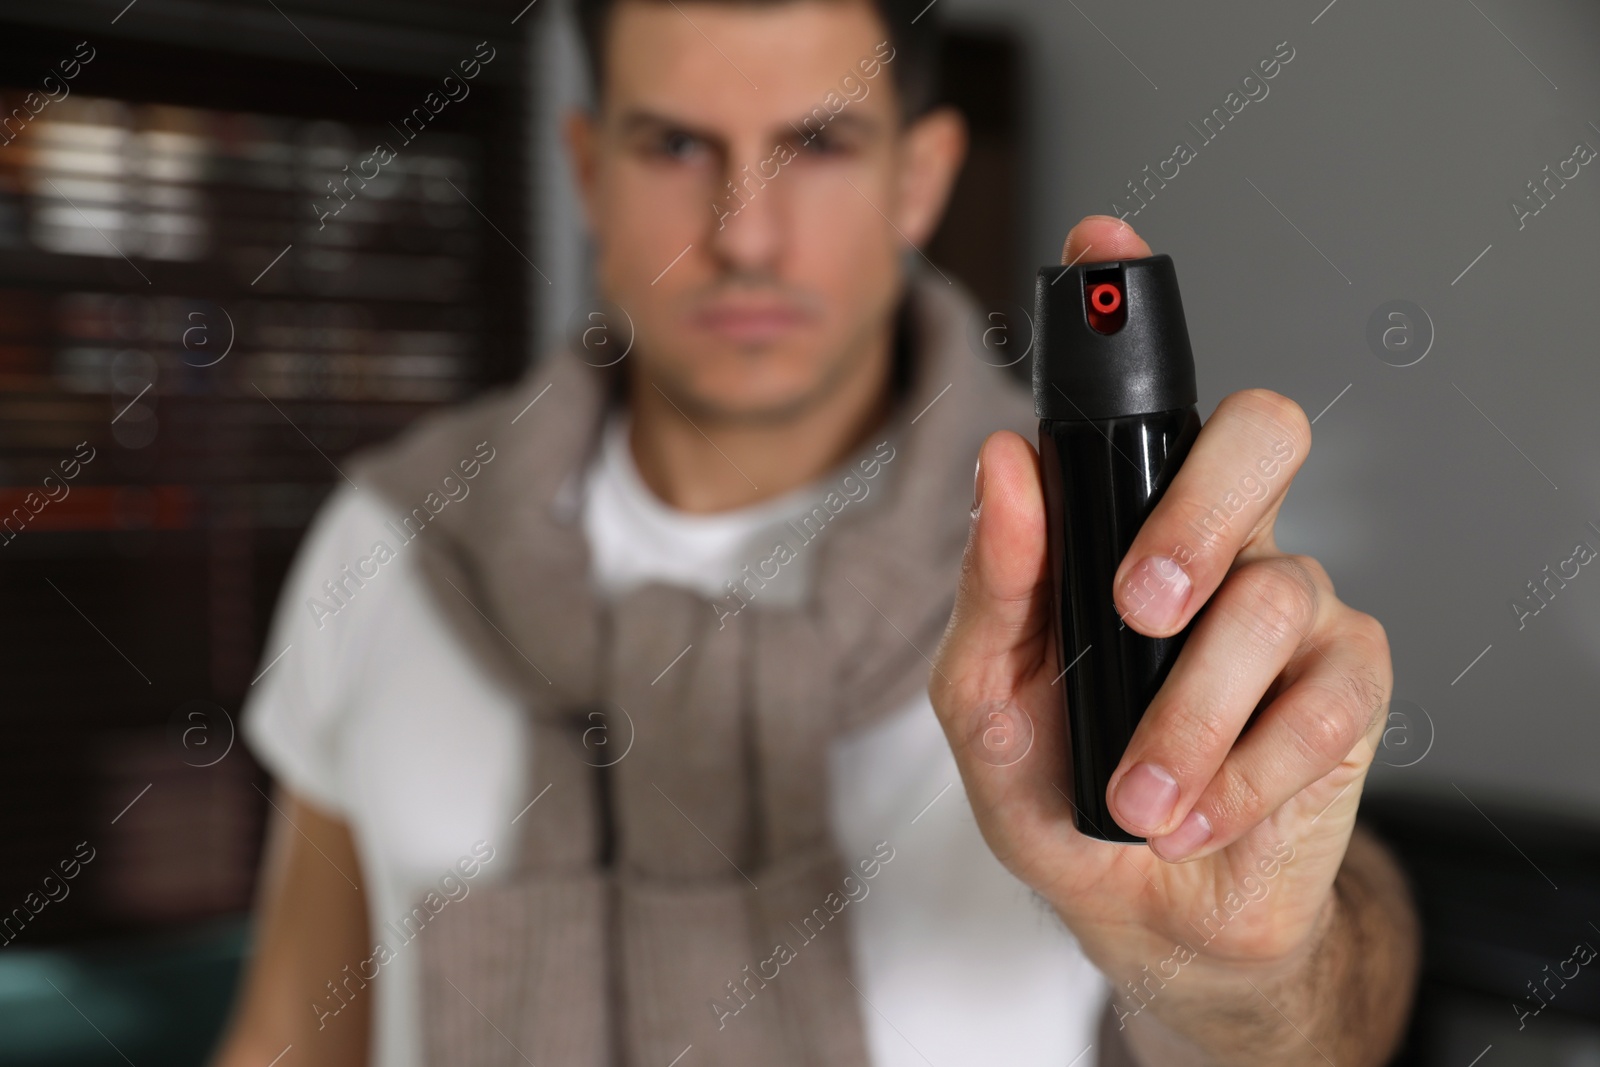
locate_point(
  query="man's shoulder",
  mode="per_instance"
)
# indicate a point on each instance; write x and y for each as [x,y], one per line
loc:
[536,419]
[447,428]
[354,537]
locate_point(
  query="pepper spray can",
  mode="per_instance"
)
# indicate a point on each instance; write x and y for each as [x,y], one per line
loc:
[1114,389]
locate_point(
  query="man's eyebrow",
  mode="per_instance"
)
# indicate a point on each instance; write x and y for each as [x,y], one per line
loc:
[636,119]
[865,124]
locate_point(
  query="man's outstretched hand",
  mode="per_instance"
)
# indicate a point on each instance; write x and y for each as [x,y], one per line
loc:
[1252,894]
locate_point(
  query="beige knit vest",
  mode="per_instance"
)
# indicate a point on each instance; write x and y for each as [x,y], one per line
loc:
[679,747]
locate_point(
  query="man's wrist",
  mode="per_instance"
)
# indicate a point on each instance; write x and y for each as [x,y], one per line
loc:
[1359,962]
[1237,1013]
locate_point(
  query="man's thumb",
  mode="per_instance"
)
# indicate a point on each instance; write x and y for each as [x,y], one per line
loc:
[1003,591]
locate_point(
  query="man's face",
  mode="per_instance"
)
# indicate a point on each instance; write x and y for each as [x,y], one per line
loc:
[754,300]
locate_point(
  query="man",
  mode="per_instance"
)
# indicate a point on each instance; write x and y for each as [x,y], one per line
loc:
[603,733]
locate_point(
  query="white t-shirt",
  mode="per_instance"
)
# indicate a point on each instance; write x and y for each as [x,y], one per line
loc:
[376,714]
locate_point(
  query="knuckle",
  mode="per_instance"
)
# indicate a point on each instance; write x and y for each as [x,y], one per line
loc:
[1368,696]
[1371,634]
[1310,570]
[1237,798]
[1283,601]
[1276,414]
[1326,727]
[1192,737]
[1367,683]
[1268,627]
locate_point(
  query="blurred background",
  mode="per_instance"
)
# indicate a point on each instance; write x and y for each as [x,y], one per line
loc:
[1393,236]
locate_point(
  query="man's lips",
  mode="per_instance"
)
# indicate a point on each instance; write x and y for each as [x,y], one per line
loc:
[750,322]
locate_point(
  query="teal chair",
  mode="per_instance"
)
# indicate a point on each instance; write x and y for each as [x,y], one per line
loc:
[156,1000]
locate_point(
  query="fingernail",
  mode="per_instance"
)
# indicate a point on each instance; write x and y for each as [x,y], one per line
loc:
[977,487]
[1155,592]
[1145,797]
[1193,832]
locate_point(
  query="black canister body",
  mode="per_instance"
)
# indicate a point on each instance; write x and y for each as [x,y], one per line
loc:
[1101,480]
[1114,388]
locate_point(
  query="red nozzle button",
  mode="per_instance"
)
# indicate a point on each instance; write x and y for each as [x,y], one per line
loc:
[1105,298]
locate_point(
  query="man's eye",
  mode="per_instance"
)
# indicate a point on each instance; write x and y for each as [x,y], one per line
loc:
[824,145]
[677,145]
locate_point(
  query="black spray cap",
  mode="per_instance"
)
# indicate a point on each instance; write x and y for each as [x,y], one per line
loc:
[1111,341]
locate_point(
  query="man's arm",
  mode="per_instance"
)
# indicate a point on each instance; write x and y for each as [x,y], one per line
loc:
[311,921]
[1347,997]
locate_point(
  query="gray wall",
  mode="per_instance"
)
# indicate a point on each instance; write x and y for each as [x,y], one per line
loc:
[1395,141]
[1391,146]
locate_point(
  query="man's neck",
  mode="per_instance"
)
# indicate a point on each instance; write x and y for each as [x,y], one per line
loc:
[700,464]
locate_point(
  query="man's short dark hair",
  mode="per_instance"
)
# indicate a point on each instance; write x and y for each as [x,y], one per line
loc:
[913,32]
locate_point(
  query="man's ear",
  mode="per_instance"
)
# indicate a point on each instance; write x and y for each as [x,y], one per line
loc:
[935,145]
[579,131]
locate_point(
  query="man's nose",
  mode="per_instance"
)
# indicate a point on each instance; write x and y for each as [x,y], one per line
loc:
[748,224]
